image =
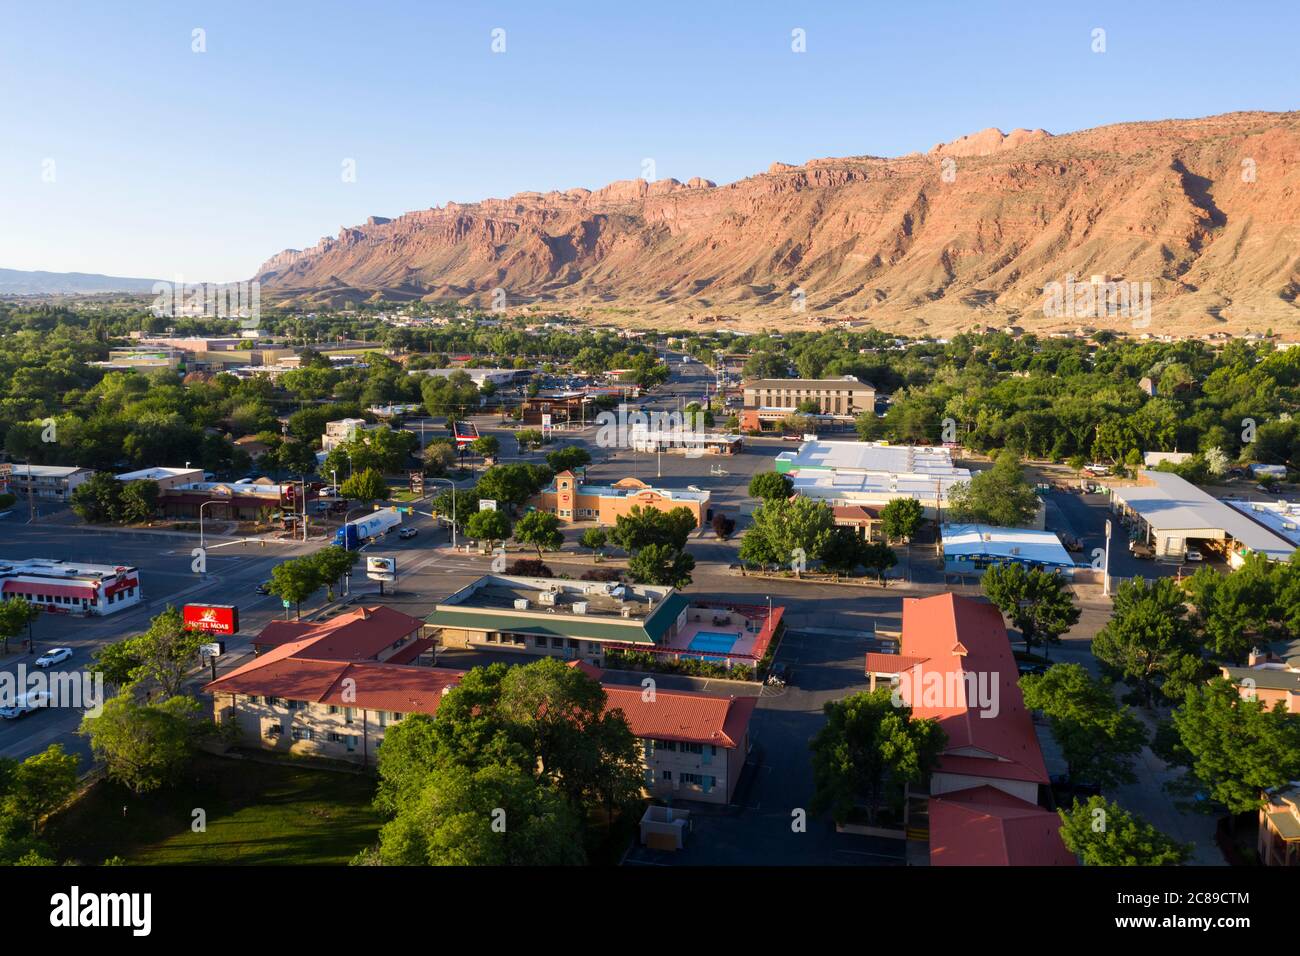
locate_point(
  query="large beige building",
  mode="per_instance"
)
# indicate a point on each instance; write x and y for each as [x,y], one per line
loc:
[771,398]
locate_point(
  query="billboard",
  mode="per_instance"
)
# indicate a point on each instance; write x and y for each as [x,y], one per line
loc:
[381,569]
[211,618]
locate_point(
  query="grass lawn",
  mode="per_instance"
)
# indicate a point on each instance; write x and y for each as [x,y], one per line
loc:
[256,814]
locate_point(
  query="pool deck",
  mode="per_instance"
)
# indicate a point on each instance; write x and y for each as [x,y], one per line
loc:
[745,640]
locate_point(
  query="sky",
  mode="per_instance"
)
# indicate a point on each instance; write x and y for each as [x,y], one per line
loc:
[127,150]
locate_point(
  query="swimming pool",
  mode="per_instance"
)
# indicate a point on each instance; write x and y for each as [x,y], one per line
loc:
[714,641]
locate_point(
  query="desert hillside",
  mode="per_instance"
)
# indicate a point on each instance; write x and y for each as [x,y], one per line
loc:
[970,233]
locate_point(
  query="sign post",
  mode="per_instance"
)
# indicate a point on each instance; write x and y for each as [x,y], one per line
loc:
[381,570]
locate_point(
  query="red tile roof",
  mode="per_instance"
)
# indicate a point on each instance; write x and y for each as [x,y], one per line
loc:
[358,635]
[891,663]
[957,635]
[683,716]
[984,826]
[300,670]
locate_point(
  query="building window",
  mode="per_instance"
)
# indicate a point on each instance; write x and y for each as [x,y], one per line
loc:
[347,714]
[540,641]
[668,775]
[302,733]
[557,642]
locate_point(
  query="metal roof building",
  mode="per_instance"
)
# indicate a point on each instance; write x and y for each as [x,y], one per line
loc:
[1177,516]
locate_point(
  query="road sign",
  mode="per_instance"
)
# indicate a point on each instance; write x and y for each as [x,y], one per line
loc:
[286,603]
[215,649]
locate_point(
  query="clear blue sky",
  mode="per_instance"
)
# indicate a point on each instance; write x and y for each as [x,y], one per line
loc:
[167,162]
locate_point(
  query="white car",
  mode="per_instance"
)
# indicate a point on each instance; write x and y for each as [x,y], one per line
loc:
[408,533]
[54,656]
[24,704]
[1194,555]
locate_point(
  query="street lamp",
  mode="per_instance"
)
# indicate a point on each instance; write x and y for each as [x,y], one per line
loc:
[453,508]
[214,501]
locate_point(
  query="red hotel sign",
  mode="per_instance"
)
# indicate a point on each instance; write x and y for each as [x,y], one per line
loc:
[211,618]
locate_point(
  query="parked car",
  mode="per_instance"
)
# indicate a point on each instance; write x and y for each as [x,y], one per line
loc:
[54,656]
[1031,667]
[780,674]
[408,533]
[264,587]
[329,491]
[1194,555]
[24,704]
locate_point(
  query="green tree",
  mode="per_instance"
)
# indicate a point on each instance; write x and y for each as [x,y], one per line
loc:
[1098,737]
[365,486]
[879,557]
[512,485]
[40,785]
[144,746]
[489,816]
[486,445]
[98,499]
[489,526]
[330,564]
[1036,601]
[295,581]
[867,752]
[1148,641]
[568,458]
[1101,833]
[439,456]
[644,526]
[529,438]
[661,564]
[541,530]
[787,532]
[767,485]
[15,614]
[901,519]
[594,539]
[998,496]
[1233,749]
[844,550]
[138,501]
[164,654]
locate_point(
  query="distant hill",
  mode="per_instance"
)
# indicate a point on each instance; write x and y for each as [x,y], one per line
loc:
[18,282]
[1207,211]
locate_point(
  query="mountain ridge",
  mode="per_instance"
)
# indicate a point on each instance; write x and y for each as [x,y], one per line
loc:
[971,232]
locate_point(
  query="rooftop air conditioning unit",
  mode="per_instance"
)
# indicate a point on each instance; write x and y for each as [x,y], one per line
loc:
[547,598]
[627,610]
[579,607]
[521,604]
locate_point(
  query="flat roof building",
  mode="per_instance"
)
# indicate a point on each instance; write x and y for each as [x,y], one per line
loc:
[164,477]
[571,500]
[51,482]
[1176,516]
[972,548]
[588,620]
[843,397]
[70,587]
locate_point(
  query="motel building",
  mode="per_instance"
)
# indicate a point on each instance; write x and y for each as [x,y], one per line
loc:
[571,500]
[586,620]
[65,587]
[332,690]
[982,803]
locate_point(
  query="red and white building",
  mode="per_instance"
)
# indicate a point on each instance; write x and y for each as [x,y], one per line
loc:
[66,587]
[983,801]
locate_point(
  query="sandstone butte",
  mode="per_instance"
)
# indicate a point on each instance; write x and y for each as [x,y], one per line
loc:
[967,235]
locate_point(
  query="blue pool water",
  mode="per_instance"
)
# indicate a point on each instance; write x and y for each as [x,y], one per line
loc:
[714,641]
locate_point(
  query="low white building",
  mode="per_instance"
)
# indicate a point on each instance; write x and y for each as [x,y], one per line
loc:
[972,548]
[67,587]
[49,482]
[164,477]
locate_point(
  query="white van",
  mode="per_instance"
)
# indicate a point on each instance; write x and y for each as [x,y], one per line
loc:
[24,704]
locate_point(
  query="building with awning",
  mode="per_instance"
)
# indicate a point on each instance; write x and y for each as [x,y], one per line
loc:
[64,587]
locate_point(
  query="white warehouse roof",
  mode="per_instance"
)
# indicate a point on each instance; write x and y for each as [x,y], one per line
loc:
[1011,544]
